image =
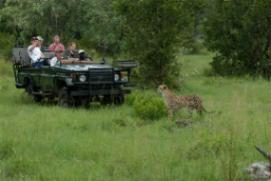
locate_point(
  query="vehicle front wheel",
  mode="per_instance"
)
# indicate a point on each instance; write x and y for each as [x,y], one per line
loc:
[106,100]
[64,100]
[119,99]
[37,98]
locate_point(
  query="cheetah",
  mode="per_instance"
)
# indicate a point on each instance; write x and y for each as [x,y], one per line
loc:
[174,102]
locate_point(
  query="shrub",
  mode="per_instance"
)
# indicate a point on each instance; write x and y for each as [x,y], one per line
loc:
[7,42]
[242,45]
[149,106]
[154,31]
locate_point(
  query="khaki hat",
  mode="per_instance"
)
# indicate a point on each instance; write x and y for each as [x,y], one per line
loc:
[39,38]
[81,51]
[34,38]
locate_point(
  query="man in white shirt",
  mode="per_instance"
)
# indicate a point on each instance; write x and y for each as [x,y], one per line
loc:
[35,53]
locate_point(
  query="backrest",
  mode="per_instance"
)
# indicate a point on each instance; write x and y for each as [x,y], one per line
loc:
[48,55]
[20,56]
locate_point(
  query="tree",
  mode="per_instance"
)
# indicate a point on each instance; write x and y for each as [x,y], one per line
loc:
[239,31]
[93,23]
[155,29]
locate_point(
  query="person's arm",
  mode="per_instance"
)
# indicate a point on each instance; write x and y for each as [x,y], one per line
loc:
[62,48]
[31,48]
[51,48]
[42,55]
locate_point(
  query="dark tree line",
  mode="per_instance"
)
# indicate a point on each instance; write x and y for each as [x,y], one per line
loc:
[239,31]
[150,31]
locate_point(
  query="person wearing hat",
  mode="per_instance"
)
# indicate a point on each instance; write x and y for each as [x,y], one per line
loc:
[35,53]
[40,42]
[83,56]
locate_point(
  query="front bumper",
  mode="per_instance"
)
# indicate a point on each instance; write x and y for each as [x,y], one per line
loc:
[100,92]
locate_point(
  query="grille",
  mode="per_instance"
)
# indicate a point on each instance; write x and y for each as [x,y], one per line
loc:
[100,75]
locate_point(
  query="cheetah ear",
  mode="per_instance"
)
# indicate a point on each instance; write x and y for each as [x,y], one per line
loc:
[264,153]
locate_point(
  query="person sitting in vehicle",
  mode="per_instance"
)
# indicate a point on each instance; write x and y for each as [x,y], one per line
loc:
[35,53]
[57,47]
[47,61]
[71,51]
[83,56]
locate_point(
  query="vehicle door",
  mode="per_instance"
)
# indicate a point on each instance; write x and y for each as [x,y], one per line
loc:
[47,78]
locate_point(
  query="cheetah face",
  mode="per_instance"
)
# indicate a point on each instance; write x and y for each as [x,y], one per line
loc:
[162,88]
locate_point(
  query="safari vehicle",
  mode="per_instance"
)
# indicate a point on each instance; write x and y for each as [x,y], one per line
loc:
[72,82]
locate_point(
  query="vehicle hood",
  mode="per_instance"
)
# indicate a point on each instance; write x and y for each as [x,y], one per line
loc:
[83,67]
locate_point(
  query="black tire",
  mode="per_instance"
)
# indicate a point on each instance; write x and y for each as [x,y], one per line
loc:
[107,100]
[37,98]
[119,99]
[29,88]
[64,99]
[85,102]
[82,101]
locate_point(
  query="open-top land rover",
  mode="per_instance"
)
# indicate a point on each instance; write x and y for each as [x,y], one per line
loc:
[73,82]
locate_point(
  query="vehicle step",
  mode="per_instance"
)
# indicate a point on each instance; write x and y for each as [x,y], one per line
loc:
[42,93]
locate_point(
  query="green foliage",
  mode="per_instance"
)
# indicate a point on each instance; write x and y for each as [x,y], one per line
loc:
[148,106]
[105,143]
[240,33]
[154,29]
[92,22]
[6,149]
[17,167]
[5,69]
[7,42]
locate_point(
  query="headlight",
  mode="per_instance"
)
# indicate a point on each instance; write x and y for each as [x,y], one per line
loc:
[117,77]
[69,81]
[124,76]
[82,78]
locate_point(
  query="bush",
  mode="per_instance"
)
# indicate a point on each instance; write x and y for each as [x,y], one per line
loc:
[148,106]
[153,31]
[241,45]
[7,42]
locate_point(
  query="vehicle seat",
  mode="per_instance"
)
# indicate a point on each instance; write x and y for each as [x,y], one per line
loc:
[21,57]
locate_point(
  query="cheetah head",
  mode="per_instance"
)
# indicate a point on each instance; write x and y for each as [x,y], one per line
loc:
[162,88]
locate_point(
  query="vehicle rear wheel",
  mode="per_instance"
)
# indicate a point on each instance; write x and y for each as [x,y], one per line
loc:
[64,99]
[29,88]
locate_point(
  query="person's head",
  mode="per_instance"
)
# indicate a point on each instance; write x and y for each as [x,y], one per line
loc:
[40,40]
[72,46]
[82,55]
[56,39]
[34,41]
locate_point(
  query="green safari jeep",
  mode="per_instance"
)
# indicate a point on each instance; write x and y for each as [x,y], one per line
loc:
[73,83]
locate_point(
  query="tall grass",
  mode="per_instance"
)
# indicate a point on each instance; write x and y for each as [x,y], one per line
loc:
[45,142]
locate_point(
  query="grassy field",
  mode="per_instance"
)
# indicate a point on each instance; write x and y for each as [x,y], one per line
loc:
[48,143]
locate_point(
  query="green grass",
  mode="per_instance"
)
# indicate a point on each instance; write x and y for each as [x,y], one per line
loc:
[48,143]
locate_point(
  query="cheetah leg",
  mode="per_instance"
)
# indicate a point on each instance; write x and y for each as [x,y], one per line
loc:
[201,110]
[190,111]
[170,115]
